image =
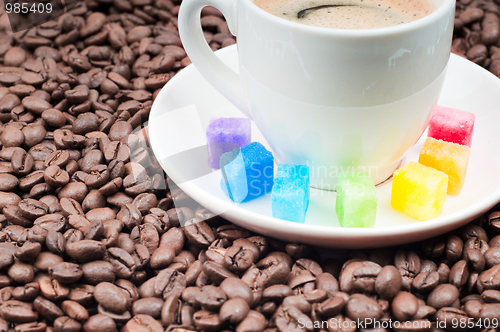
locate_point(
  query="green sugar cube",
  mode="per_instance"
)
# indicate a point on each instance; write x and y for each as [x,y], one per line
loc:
[356,203]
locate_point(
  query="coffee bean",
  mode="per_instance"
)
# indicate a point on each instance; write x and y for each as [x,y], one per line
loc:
[454,248]
[54,117]
[459,274]
[69,206]
[55,176]
[253,321]
[162,257]
[82,294]
[65,323]
[74,310]
[35,105]
[99,322]
[236,288]
[135,185]
[117,150]
[198,232]
[21,272]
[142,322]
[98,271]
[17,312]
[492,256]
[298,302]
[408,264]
[169,282]
[207,320]
[6,258]
[85,250]
[273,269]
[14,57]
[123,263]
[404,306]
[74,190]
[55,242]
[428,266]
[32,326]
[12,213]
[360,307]
[234,310]
[112,298]
[100,214]
[29,251]
[334,305]
[8,198]
[448,315]
[426,281]
[8,182]
[47,309]
[489,279]
[444,295]
[34,133]
[474,250]
[129,215]
[57,158]
[388,282]
[290,317]
[145,202]
[22,162]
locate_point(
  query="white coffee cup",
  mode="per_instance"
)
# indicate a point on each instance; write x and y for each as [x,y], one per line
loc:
[336,100]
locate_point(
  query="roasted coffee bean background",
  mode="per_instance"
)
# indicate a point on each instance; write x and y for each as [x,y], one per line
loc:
[94,236]
[477,33]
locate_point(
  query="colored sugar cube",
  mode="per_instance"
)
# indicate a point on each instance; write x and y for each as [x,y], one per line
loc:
[452,125]
[449,158]
[225,135]
[247,172]
[290,193]
[419,191]
[356,202]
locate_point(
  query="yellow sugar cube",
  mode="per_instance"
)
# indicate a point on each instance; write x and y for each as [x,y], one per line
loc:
[419,191]
[449,158]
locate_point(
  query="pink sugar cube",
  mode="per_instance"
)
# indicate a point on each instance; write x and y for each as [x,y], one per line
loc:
[452,125]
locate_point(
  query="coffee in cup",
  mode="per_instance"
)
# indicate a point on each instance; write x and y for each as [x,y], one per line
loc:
[348,14]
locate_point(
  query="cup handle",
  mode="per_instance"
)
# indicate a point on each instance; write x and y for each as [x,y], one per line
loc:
[224,79]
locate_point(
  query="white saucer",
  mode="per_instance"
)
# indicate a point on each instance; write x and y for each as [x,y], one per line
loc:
[180,115]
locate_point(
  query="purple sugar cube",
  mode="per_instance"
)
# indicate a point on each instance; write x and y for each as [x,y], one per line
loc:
[225,135]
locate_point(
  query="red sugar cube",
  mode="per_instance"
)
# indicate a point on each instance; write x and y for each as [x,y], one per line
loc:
[452,125]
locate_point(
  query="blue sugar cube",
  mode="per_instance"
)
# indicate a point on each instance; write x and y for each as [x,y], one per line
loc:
[225,135]
[247,172]
[356,202]
[290,194]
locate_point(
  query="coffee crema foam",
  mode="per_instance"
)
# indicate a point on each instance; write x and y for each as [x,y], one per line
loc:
[348,14]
